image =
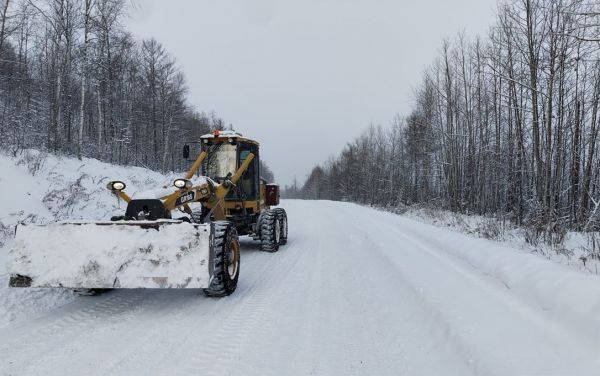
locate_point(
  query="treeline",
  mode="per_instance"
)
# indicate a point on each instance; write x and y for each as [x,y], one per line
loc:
[74,81]
[507,124]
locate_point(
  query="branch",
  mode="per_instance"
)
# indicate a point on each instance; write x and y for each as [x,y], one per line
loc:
[495,73]
[581,39]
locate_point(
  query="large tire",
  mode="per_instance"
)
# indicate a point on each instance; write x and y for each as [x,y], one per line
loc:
[270,231]
[226,260]
[283,222]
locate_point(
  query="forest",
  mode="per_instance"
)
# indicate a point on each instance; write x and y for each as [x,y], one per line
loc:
[75,81]
[504,124]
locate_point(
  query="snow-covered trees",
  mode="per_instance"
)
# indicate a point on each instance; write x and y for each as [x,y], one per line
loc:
[507,124]
[73,80]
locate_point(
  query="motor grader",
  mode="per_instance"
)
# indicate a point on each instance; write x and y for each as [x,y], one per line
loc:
[184,238]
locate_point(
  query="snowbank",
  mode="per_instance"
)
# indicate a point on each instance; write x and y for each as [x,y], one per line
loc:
[560,291]
[578,250]
[563,292]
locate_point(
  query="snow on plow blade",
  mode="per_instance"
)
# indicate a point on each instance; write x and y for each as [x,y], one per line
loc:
[128,254]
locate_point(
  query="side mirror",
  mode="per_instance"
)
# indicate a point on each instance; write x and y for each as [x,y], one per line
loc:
[186,151]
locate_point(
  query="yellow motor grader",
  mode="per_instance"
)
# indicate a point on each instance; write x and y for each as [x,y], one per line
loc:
[187,238]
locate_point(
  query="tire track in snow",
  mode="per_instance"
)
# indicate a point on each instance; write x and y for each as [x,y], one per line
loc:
[84,308]
[132,335]
[338,322]
[80,324]
[190,329]
[162,329]
[436,327]
[429,309]
[158,334]
[215,352]
[279,349]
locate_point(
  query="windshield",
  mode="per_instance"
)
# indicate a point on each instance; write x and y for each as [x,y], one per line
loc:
[221,160]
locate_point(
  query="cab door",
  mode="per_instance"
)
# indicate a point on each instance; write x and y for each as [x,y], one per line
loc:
[249,185]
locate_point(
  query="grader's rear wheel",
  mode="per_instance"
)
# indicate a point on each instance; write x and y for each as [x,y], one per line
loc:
[270,231]
[283,223]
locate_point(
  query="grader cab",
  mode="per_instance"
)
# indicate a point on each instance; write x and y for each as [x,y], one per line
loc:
[247,200]
[184,239]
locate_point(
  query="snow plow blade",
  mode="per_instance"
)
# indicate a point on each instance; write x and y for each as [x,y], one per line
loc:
[124,254]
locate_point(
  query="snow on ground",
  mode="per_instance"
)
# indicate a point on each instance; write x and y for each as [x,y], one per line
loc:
[39,188]
[356,291]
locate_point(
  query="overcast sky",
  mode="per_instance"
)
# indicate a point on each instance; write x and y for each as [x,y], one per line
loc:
[305,77]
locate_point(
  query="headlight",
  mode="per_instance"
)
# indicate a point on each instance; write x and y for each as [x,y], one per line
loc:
[116,186]
[182,183]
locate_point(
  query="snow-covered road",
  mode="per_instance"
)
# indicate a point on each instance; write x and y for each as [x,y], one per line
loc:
[355,291]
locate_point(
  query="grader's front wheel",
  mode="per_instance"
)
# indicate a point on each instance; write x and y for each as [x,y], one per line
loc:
[226,260]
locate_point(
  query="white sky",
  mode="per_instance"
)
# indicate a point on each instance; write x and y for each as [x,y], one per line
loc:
[305,77]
